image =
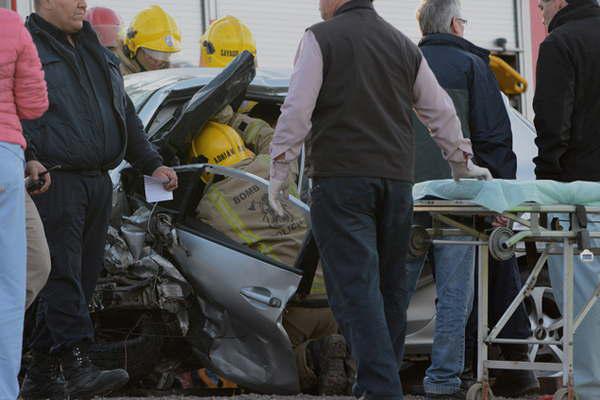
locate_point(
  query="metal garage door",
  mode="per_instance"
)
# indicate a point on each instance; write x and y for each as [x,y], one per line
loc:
[24,7]
[279,24]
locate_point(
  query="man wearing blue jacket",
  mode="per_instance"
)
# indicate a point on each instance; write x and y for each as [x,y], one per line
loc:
[462,69]
[90,127]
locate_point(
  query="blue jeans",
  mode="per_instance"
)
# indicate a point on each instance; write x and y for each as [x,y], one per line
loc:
[361,227]
[454,272]
[13,248]
[585,346]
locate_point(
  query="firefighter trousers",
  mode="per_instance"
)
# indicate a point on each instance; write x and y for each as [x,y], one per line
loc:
[303,325]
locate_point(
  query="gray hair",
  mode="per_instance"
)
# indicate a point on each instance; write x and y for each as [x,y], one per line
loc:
[435,16]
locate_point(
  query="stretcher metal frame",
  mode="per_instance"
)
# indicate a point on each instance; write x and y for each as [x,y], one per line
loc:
[547,242]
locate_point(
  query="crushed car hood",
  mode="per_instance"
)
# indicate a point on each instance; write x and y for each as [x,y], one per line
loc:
[230,85]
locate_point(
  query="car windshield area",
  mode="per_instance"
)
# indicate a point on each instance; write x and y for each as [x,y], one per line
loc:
[140,90]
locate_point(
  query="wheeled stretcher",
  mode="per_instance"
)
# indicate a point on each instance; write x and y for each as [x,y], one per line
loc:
[529,225]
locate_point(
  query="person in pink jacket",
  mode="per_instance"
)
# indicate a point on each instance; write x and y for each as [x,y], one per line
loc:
[23,95]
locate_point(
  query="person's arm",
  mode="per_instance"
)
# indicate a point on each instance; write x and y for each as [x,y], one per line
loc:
[295,121]
[436,111]
[491,134]
[256,133]
[553,106]
[140,153]
[30,91]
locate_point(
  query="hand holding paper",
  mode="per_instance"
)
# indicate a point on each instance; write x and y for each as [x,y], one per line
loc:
[168,177]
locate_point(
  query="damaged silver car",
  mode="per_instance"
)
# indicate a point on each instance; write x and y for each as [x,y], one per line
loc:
[175,294]
[178,295]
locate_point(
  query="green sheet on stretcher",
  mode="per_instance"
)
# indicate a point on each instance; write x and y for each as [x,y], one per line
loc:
[503,195]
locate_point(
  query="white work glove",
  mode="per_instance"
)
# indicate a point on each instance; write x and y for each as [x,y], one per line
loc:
[278,191]
[465,170]
[278,185]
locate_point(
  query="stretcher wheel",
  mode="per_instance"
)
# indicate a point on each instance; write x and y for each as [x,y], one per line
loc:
[497,248]
[563,394]
[475,392]
[419,242]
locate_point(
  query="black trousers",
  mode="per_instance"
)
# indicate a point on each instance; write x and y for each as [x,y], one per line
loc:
[504,284]
[361,226]
[75,212]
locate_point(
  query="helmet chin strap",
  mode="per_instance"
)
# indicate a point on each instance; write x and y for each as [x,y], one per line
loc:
[132,57]
[144,69]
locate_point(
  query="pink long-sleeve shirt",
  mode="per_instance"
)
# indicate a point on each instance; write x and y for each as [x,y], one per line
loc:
[430,101]
[23,92]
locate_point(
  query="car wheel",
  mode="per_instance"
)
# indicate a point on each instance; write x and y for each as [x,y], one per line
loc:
[476,392]
[547,326]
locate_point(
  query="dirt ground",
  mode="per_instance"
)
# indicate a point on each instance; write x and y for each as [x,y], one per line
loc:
[260,397]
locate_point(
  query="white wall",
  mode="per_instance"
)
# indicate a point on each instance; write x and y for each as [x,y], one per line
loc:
[25,7]
[278,24]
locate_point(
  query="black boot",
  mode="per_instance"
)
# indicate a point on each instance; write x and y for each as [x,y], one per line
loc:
[85,380]
[330,362]
[515,383]
[458,395]
[43,379]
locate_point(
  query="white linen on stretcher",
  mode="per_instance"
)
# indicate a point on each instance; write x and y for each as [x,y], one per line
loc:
[503,195]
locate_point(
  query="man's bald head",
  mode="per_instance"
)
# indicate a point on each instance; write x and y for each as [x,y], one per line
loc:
[329,7]
[549,9]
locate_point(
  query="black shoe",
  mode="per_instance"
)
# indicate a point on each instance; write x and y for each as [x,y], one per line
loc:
[331,356]
[416,390]
[515,383]
[43,379]
[459,395]
[85,380]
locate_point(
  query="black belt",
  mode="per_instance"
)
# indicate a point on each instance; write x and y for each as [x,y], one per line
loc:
[84,172]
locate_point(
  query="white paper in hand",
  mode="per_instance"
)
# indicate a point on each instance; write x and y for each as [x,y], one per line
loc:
[155,190]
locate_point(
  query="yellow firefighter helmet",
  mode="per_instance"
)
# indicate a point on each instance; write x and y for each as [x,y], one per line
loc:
[223,41]
[155,30]
[220,144]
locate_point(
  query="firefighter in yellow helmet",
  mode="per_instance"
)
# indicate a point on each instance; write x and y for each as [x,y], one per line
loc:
[151,39]
[241,211]
[224,40]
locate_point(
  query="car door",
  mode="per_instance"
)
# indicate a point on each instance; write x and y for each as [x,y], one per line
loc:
[243,295]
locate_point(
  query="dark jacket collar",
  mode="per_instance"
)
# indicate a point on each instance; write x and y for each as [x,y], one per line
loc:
[354,4]
[576,10]
[446,39]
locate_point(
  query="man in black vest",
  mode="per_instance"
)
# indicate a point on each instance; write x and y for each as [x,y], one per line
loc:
[90,127]
[356,80]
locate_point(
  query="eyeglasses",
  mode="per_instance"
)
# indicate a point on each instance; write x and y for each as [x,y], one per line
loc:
[464,21]
[157,55]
